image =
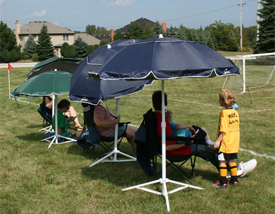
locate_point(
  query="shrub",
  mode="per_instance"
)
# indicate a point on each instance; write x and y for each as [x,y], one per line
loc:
[70,52]
[104,42]
[5,56]
[35,57]
[90,50]
[64,46]
[13,55]
[24,55]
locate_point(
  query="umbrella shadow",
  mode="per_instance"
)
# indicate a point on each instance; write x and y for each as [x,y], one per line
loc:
[31,137]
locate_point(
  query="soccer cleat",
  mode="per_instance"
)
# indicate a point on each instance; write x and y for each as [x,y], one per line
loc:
[219,185]
[248,166]
[233,183]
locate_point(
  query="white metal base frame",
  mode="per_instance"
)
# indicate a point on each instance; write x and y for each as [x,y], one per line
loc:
[164,188]
[55,140]
[47,129]
[115,152]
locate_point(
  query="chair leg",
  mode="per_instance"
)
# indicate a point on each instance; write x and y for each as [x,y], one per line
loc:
[178,169]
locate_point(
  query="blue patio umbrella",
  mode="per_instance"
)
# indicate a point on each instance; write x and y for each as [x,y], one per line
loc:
[161,59]
[83,89]
[91,91]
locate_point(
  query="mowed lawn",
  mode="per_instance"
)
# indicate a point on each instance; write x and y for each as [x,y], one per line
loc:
[35,179]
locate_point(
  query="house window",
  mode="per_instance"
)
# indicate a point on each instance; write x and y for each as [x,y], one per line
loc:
[65,37]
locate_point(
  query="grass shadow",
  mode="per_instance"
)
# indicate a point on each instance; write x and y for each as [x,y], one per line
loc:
[31,137]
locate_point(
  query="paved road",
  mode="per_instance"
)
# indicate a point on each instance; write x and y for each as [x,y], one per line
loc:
[18,65]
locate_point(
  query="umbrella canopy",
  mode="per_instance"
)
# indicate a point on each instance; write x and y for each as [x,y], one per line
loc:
[45,84]
[91,91]
[165,58]
[55,63]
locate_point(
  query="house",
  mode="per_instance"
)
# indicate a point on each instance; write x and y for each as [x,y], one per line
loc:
[142,21]
[58,34]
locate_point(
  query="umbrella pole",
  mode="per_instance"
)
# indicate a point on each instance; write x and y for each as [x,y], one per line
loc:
[163,180]
[55,138]
[115,152]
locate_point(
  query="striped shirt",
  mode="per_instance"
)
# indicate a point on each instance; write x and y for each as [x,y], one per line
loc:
[102,112]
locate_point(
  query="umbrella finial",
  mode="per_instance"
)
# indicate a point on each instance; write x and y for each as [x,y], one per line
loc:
[160,36]
[109,46]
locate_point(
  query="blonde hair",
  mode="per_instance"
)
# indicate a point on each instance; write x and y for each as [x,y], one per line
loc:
[168,115]
[228,96]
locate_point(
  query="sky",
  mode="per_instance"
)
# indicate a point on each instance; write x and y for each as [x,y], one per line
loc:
[77,14]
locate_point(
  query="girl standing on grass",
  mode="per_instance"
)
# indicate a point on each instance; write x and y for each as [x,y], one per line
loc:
[228,138]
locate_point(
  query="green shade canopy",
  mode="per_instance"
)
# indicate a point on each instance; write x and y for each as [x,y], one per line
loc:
[57,82]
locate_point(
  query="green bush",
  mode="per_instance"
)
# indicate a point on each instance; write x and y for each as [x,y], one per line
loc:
[24,55]
[5,56]
[35,57]
[90,50]
[70,52]
[104,42]
[64,46]
[13,55]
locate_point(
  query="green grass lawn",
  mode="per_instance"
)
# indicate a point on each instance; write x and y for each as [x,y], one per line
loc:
[35,179]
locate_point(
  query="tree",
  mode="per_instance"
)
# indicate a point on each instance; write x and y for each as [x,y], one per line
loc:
[44,47]
[171,32]
[80,47]
[148,32]
[104,42]
[102,31]
[30,46]
[223,34]
[91,29]
[118,35]
[157,29]
[266,41]
[181,32]
[8,40]
[63,48]
[134,31]
[251,35]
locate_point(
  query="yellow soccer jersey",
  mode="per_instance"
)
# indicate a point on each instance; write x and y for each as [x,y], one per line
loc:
[229,124]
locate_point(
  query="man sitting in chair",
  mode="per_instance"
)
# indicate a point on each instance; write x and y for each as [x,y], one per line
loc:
[173,148]
[105,123]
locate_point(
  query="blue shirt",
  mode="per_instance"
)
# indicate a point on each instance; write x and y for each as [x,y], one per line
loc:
[180,132]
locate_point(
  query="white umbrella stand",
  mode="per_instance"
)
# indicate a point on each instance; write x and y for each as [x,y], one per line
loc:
[115,152]
[163,180]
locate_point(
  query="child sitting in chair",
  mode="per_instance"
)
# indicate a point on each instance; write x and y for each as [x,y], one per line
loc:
[63,130]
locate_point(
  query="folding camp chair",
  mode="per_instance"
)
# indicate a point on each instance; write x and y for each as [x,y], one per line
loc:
[148,148]
[47,119]
[89,139]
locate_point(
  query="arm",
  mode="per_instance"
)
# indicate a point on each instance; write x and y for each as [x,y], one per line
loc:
[59,132]
[183,126]
[48,103]
[219,140]
[106,123]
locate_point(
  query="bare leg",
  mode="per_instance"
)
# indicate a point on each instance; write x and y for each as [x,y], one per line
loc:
[71,113]
[130,135]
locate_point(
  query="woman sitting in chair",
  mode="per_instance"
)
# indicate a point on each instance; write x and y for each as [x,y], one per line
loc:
[70,113]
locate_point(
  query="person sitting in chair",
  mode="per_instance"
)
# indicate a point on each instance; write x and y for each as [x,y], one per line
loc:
[63,130]
[173,148]
[105,122]
[70,113]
